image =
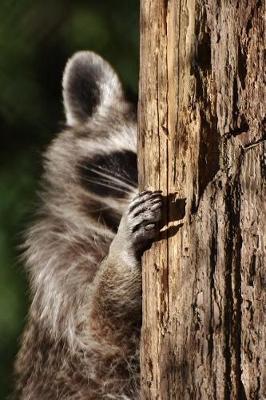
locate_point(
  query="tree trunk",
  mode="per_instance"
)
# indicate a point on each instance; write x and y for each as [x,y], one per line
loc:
[201,141]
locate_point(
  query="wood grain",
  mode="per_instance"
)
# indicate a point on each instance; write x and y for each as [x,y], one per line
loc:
[201,140]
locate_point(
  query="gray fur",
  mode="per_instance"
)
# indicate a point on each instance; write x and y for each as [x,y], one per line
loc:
[81,341]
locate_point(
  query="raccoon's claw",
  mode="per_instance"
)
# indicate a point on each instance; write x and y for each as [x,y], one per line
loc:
[144,216]
[140,224]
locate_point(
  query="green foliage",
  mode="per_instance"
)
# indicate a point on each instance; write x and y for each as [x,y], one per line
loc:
[36,39]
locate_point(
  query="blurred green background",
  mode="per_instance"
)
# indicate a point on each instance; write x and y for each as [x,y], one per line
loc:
[36,39]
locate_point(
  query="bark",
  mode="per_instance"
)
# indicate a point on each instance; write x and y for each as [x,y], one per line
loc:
[201,141]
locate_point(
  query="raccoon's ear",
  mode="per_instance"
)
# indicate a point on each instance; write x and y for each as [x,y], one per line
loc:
[89,85]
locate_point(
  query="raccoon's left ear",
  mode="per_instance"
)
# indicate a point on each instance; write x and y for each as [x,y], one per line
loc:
[89,85]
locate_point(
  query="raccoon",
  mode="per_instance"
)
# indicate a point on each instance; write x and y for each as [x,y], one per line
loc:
[81,340]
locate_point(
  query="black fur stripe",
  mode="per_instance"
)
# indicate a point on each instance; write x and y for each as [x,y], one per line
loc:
[108,217]
[112,175]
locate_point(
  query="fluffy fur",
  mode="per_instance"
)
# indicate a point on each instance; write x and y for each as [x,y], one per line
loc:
[82,254]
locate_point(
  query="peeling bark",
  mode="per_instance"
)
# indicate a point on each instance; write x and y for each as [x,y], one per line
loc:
[202,141]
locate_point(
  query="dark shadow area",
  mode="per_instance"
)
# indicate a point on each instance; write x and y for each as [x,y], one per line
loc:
[174,210]
[177,207]
[169,232]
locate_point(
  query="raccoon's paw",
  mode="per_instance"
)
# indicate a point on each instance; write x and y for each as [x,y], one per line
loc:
[144,216]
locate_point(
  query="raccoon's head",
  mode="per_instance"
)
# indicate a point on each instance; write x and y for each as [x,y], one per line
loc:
[98,149]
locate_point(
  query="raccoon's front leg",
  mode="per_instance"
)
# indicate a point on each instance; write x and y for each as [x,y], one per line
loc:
[118,284]
[139,225]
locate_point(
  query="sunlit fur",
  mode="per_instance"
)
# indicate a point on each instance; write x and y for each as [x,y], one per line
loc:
[81,338]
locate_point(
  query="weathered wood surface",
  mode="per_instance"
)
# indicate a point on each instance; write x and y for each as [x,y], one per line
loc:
[201,116]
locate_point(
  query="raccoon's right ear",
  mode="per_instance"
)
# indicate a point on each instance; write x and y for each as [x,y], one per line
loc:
[89,85]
